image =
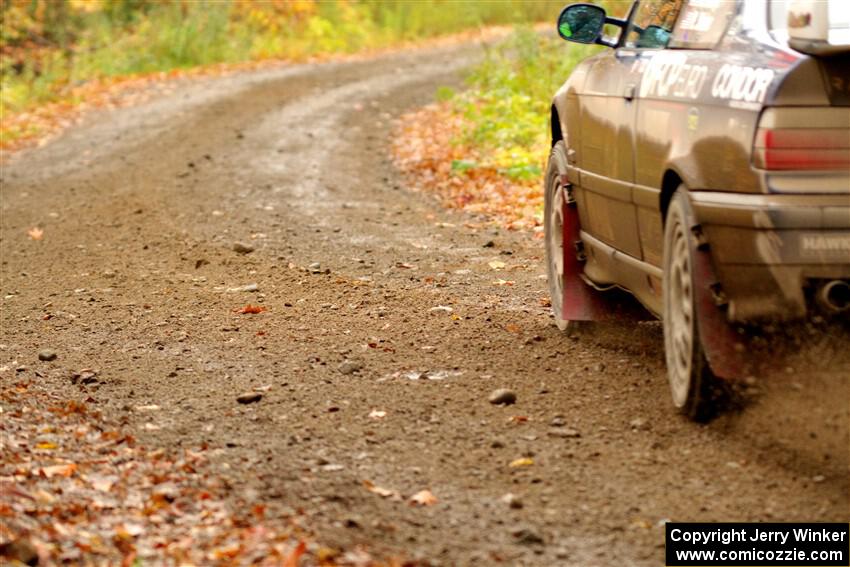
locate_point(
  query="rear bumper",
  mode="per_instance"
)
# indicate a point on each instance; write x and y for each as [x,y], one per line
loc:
[770,250]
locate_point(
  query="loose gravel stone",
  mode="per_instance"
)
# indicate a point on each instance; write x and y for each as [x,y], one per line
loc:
[566,432]
[527,536]
[502,396]
[242,248]
[512,500]
[249,398]
[349,367]
[639,423]
[47,355]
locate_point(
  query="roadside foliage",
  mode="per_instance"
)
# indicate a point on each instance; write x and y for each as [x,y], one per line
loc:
[59,55]
[484,150]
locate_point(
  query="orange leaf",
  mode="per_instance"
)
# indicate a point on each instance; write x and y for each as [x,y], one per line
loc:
[292,560]
[423,498]
[35,233]
[228,552]
[251,309]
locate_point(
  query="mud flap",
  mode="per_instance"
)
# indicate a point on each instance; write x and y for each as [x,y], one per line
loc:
[580,301]
[724,349]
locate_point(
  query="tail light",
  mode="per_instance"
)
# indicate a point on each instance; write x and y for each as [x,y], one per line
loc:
[787,140]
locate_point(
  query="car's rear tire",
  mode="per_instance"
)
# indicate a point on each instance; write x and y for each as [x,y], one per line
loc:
[688,371]
[554,231]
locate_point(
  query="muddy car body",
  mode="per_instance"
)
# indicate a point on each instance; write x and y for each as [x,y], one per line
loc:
[702,164]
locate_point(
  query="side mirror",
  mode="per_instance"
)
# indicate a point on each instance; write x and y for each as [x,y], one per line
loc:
[581,23]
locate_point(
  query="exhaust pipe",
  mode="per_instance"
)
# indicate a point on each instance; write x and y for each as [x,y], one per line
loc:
[834,296]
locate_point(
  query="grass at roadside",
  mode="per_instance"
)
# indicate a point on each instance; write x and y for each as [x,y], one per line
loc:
[53,52]
[484,150]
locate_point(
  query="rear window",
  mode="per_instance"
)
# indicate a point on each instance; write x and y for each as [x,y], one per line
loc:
[838,21]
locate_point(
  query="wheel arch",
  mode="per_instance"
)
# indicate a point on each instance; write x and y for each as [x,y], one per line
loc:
[669,183]
[555,126]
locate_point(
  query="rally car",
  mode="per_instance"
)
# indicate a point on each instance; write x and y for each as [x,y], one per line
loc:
[702,163]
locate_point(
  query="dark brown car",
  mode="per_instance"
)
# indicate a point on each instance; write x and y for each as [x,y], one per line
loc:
[702,163]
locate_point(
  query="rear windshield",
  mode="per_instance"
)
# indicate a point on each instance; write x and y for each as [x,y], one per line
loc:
[838,21]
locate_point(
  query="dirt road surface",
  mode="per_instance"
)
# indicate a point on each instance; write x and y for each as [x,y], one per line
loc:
[377,300]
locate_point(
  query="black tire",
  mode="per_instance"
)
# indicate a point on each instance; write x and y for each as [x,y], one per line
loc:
[688,371]
[556,168]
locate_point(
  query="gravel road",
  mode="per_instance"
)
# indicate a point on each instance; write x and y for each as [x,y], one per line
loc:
[384,334]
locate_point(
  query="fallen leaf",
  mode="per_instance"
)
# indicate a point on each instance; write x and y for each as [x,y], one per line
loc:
[292,559]
[380,491]
[35,233]
[496,264]
[518,418]
[423,498]
[251,309]
[503,282]
[230,552]
[512,328]
[46,446]
[65,470]
[524,462]
[102,483]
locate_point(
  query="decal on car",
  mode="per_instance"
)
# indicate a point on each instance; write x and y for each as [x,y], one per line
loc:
[668,74]
[741,83]
[818,243]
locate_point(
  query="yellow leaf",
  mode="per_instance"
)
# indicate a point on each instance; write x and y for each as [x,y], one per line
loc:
[46,446]
[524,462]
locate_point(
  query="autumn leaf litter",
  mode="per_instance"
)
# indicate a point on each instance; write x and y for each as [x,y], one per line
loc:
[74,487]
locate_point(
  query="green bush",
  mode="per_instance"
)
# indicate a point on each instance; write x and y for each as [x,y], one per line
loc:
[510,95]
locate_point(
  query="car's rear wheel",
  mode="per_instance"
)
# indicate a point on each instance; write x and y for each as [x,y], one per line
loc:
[687,367]
[554,230]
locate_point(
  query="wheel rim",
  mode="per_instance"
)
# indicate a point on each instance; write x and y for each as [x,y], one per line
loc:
[555,245]
[680,316]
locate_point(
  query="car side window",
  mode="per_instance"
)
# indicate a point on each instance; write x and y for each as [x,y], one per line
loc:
[702,23]
[653,23]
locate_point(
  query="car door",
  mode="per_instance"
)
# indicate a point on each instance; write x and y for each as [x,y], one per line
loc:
[607,121]
[610,129]
[677,63]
